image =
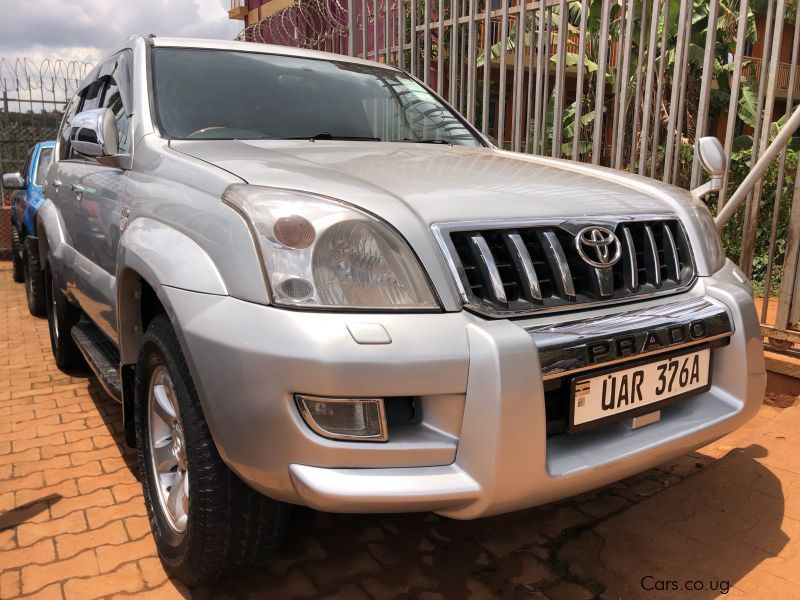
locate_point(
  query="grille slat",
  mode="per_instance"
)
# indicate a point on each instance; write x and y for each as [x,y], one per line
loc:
[629,256]
[559,266]
[520,270]
[488,267]
[651,257]
[523,262]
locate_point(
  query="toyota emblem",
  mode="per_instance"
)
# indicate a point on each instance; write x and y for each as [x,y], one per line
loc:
[598,246]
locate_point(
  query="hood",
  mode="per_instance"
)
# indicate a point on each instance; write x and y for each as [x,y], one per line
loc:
[438,183]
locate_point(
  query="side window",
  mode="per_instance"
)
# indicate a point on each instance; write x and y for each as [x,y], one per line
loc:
[45,155]
[112,99]
[92,95]
[64,150]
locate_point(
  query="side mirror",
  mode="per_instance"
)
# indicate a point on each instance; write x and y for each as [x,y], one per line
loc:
[93,133]
[712,159]
[13,181]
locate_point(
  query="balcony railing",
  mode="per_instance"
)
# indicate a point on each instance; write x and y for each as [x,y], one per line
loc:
[751,71]
[238,9]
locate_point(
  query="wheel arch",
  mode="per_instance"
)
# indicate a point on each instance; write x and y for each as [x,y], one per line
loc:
[150,256]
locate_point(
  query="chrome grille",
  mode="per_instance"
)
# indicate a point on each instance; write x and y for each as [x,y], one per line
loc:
[516,269]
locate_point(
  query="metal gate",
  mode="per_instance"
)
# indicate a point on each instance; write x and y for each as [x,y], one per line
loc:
[31,106]
[629,84]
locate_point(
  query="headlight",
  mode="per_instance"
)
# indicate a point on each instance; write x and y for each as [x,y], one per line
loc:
[711,242]
[320,252]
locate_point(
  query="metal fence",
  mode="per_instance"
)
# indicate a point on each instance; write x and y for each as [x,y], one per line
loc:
[629,84]
[32,100]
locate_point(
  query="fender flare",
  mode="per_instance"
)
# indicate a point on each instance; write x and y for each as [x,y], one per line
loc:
[50,231]
[159,255]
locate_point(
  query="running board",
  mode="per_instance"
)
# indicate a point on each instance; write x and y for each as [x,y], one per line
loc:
[101,355]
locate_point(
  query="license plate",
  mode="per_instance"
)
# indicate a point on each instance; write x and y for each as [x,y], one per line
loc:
[613,393]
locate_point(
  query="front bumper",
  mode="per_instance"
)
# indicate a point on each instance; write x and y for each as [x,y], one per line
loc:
[482,446]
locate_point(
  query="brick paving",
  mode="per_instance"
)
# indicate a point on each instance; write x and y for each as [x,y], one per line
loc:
[73,524]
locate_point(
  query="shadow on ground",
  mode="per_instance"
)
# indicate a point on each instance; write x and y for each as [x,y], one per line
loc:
[692,528]
[713,528]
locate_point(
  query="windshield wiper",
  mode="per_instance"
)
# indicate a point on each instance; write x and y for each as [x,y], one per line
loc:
[327,135]
[428,141]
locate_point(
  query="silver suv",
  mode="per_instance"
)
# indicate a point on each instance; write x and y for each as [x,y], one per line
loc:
[308,280]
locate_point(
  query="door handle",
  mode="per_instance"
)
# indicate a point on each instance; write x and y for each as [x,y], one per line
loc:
[78,188]
[56,183]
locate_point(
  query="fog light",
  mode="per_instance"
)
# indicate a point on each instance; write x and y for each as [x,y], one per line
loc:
[345,418]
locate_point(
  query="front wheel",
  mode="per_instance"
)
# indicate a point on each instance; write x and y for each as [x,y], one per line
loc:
[206,522]
[17,270]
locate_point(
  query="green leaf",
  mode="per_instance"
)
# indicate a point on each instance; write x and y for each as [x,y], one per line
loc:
[747,105]
[572,58]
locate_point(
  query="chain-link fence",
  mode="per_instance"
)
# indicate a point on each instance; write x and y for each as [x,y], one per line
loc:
[32,100]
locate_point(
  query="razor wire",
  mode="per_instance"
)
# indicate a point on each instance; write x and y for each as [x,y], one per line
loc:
[56,76]
[313,23]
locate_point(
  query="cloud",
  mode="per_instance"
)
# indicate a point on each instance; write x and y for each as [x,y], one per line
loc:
[86,30]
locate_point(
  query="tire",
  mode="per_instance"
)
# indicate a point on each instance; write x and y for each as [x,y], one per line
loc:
[61,316]
[34,283]
[226,526]
[17,270]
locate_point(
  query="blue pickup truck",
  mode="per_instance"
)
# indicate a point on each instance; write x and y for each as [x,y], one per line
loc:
[26,198]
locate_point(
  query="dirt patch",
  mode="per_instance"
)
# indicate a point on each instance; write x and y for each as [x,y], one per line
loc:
[780,400]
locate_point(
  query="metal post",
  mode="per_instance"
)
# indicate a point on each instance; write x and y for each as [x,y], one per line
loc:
[352,27]
[758,169]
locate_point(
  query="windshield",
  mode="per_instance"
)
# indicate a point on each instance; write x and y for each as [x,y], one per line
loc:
[215,94]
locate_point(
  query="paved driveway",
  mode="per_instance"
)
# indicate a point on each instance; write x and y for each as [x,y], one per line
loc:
[73,525]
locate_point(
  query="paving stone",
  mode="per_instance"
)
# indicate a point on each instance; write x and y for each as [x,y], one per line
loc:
[72,520]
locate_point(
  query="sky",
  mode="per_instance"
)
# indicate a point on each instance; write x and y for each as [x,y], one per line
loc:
[86,30]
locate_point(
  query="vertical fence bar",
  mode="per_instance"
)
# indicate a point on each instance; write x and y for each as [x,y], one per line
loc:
[648,87]
[558,109]
[375,45]
[676,159]
[352,27]
[453,51]
[363,52]
[387,15]
[501,99]
[414,38]
[440,45]
[762,78]
[776,207]
[786,315]
[705,85]
[736,79]
[623,76]
[401,34]
[529,101]
[577,128]
[617,53]
[540,66]
[676,92]
[487,64]
[463,60]
[426,44]
[599,105]
[519,53]
[471,61]
[548,39]
[765,121]
[637,95]
[662,67]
